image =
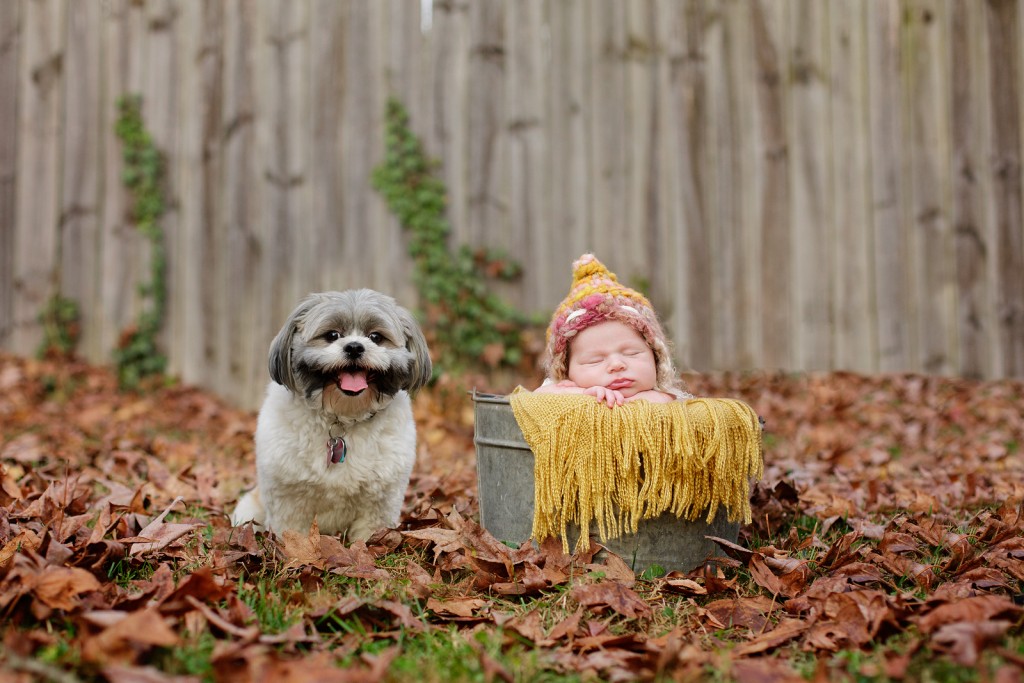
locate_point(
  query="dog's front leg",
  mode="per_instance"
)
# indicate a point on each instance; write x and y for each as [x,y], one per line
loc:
[370,521]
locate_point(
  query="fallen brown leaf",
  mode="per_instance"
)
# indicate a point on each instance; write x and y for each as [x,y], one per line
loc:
[611,595]
[130,637]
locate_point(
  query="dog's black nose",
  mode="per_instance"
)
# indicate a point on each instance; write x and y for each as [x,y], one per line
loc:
[354,349]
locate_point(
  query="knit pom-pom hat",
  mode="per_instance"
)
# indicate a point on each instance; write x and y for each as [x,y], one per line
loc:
[596,295]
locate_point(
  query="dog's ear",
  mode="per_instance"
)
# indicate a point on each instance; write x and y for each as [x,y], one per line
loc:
[280,360]
[416,343]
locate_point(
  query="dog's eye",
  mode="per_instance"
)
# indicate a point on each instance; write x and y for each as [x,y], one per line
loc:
[376,337]
[331,336]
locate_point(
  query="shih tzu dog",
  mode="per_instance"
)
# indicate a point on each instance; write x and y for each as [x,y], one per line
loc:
[335,437]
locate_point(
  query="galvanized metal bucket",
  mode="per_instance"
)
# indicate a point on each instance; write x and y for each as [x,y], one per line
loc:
[505,489]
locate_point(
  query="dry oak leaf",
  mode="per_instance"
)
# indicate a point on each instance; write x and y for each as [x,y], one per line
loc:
[134,674]
[970,610]
[964,641]
[202,585]
[529,626]
[157,535]
[859,573]
[733,550]
[615,569]
[739,612]
[420,581]
[687,587]
[614,664]
[355,561]
[459,609]
[849,619]
[985,578]
[302,549]
[60,587]
[129,637]
[597,635]
[781,634]
[24,541]
[764,671]
[444,540]
[530,579]
[764,577]
[613,595]
[567,628]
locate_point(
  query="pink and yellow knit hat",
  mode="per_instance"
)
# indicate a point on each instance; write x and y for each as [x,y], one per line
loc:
[596,295]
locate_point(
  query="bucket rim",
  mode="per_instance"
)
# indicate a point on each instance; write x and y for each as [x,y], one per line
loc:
[481,397]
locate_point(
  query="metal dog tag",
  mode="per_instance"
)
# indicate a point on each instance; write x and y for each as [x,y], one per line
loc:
[337,449]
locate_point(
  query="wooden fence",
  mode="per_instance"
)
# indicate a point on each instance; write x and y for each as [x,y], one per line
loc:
[799,184]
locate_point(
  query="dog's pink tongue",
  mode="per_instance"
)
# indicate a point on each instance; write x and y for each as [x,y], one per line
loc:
[352,381]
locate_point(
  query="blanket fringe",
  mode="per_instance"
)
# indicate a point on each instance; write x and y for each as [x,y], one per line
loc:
[616,467]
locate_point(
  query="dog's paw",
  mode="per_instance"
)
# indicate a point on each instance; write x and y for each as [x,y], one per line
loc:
[249,509]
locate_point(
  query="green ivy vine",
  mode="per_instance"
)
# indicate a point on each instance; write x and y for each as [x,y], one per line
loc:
[138,355]
[469,325]
[59,319]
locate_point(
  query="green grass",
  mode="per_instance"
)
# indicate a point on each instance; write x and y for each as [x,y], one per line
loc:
[453,657]
[124,572]
[62,652]
[192,657]
[274,610]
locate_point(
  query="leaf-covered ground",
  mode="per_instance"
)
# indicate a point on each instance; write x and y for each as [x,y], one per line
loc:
[887,545]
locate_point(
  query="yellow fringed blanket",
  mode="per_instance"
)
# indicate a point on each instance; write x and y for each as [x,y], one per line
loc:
[618,466]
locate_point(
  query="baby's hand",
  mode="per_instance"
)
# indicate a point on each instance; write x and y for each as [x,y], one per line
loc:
[652,395]
[603,394]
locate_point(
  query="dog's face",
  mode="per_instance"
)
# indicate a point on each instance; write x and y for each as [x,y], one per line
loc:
[356,348]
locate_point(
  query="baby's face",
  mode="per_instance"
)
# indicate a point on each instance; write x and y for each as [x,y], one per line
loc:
[612,354]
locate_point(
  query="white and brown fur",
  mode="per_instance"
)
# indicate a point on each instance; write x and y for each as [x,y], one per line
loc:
[359,332]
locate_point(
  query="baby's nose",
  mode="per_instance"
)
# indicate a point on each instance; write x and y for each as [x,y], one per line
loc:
[615,361]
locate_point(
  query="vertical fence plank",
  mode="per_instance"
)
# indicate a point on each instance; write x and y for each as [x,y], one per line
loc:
[244,253]
[672,307]
[360,56]
[1004,42]
[749,265]
[608,48]
[971,182]
[690,150]
[449,37]
[768,22]
[329,88]
[930,233]
[638,255]
[123,254]
[180,338]
[80,272]
[855,338]
[813,229]
[891,306]
[725,190]
[568,191]
[737,262]
[527,84]
[10,53]
[284,106]
[403,69]
[198,234]
[41,81]
[488,140]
